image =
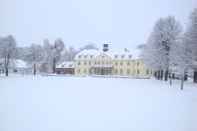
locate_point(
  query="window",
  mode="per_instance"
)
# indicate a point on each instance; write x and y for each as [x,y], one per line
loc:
[78,70]
[130,56]
[121,63]
[85,63]
[89,62]
[91,56]
[116,63]
[79,63]
[122,56]
[116,56]
[79,56]
[128,63]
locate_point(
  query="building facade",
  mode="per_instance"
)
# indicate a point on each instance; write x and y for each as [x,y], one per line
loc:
[94,62]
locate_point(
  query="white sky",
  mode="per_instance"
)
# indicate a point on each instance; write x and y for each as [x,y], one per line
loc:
[125,23]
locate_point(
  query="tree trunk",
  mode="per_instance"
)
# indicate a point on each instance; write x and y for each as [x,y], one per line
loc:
[34,71]
[186,77]
[183,79]
[182,82]
[7,64]
[6,71]
[54,65]
[155,74]
[170,76]
[166,75]
[195,77]
[161,77]
[173,76]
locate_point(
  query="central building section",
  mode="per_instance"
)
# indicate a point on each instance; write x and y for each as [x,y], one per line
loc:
[102,65]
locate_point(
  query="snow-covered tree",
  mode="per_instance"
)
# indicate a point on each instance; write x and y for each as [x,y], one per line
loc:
[89,46]
[52,54]
[69,54]
[58,47]
[191,34]
[7,51]
[21,53]
[35,56]
[46,65]
[72,53]
[181,57]
[156,52]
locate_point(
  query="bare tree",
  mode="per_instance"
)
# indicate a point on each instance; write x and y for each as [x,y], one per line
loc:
[48,57]
[35,56]
[7,51]
[57,49]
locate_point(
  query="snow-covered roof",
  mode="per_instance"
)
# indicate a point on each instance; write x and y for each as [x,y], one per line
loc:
[87,54]
[66,64]
[116,55]
[19,63]
[16,63]
[119,55]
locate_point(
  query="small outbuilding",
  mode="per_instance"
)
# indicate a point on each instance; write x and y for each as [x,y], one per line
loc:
[66,67]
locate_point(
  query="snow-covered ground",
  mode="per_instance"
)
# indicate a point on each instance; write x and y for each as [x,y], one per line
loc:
[95,104]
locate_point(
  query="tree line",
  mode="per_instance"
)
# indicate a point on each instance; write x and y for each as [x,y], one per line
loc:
[42,58]
[170,49]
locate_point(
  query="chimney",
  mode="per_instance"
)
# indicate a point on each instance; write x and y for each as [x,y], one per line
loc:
[105,47]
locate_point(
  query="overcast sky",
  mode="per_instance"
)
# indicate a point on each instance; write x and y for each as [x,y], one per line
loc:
[125,23]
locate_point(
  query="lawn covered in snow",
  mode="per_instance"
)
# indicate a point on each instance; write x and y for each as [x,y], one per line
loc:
[95,104]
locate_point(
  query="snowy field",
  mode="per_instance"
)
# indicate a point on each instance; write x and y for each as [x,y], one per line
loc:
[95,104]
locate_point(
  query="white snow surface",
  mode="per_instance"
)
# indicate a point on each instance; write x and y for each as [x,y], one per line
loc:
[56,103]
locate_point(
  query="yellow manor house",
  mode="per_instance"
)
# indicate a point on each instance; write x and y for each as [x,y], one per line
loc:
[107,63]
